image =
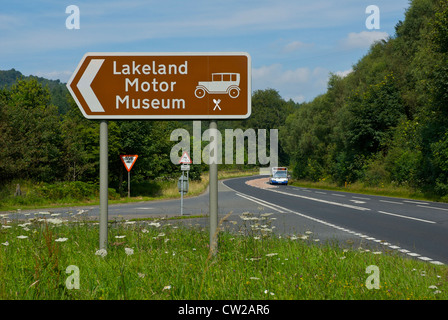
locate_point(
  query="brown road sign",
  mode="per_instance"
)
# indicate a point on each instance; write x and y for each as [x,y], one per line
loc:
[163,86]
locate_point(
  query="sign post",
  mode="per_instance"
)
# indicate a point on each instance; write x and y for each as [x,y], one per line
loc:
[129,161]
[164,86]
[104,184]
[185,166]
[213,188]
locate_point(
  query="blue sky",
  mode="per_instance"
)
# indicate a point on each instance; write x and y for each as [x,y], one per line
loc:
[294,44]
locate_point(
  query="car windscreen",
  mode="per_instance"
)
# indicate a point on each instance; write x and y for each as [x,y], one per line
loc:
[280,174]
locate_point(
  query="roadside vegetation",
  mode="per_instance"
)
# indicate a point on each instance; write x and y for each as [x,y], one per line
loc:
[56,256]
[60,194]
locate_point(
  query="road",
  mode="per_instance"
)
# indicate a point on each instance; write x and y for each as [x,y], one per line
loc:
[417,229]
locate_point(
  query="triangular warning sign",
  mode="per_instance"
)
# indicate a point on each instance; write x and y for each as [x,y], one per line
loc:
[185,158]
[128,160]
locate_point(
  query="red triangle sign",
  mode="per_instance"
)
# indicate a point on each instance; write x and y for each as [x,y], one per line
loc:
[185,158]
[128,161]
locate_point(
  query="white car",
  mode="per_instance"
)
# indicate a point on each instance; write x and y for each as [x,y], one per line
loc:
[222,83]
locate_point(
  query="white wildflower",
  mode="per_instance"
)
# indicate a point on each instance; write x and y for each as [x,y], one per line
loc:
[155,224]
[22,237]
[5,243]
[120,237]
[129,251]
[271,254]
[55,221]
[101,252]
[166,288]
[61,239]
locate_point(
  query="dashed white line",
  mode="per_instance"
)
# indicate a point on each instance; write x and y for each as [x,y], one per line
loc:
[394,202]
[432,208]
[338,195]
[415,202]
[362,198]
[406,217]
[320,200]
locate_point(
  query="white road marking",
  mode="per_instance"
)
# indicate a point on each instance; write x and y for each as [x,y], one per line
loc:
[357,201]
[433,208]
[415,202]
[406,217]
[394,202]
[324,201]
[262,202]
[360,198]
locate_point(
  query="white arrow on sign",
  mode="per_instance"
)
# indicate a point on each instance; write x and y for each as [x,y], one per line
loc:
[84,85]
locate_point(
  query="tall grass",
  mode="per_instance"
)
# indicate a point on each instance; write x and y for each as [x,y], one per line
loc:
[166,259]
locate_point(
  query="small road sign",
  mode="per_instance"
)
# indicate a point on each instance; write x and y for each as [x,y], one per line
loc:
[128,161]
[185,159]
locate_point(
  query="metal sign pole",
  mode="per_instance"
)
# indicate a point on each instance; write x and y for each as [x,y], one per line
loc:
[103,183]
[213,188]
[129,184]
[182,195]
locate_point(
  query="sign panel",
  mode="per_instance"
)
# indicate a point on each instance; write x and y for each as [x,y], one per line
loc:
[163,86]
[128,161]
[185,167]
[185,159]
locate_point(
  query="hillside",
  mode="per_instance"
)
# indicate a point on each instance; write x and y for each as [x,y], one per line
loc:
[386,123]
[57,89]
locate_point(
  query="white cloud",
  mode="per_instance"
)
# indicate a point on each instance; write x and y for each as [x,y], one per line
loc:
[295,45]
[363,39]
[343,74]
[300,84]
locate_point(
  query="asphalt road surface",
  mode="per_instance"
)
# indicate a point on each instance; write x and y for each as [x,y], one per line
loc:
[414,228]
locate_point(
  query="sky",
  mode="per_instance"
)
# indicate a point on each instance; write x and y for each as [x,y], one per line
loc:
[294,45]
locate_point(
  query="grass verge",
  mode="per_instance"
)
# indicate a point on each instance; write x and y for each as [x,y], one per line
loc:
[68,194]
[160,259]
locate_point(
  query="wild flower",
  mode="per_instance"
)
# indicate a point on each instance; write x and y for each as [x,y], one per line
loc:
[101,252]
[61,239]
[166,288]
[271,254]
[155,224]
[22,237]
[120,237]
[5,243]
[55,221]
[129,251]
